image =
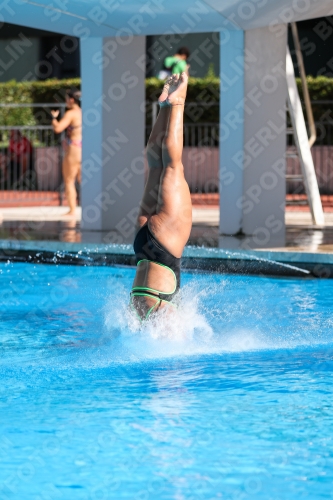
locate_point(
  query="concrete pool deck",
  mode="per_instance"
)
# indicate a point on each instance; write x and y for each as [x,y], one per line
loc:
[49,223]
[202,214]
[42,235]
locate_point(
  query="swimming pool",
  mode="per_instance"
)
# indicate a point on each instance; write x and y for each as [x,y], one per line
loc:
[233,402]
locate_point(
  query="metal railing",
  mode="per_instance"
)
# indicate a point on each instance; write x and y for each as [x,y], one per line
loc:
[195,112]
[35,173]
[322,154]
[201,154]
[40,179]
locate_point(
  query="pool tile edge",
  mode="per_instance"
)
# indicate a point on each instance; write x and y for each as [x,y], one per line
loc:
[213,259]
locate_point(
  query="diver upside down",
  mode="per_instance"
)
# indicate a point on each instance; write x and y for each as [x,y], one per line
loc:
[165,217]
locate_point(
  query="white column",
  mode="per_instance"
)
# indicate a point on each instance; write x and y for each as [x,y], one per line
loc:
[113,89]
[231,129]
[92,178]
[265,95]
[253,135]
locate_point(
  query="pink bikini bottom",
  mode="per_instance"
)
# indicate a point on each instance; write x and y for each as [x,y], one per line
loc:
[74,142]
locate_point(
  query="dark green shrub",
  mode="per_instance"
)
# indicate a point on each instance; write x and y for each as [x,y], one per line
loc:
[200,90]
[31,92]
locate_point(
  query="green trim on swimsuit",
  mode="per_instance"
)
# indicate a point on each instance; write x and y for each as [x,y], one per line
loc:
[158,301]
[149,311]
[139,291]
[152,289]
[142,294]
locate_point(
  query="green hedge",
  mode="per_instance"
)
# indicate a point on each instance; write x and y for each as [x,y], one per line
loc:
[200,90]
[31,92]
[207,90]
[320,88]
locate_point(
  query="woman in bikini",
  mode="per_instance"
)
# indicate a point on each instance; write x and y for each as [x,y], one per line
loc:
[165,217]
[71,165]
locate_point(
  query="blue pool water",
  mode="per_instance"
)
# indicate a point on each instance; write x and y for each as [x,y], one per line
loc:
[234,401]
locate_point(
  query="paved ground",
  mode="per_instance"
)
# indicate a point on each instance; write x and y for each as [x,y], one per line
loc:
[41,213]
[49,223]
[208,215]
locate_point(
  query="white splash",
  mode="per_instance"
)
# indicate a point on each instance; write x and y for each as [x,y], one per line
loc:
[187,332]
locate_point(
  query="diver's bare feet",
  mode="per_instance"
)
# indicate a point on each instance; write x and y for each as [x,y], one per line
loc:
[178,95]
[165,91]
[169,87]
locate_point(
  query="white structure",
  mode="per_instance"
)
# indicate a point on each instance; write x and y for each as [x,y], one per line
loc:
[253,98]
[303,146]
[253,132]
[113,142]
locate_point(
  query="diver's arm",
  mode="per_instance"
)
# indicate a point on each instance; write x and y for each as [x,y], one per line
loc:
[60,126]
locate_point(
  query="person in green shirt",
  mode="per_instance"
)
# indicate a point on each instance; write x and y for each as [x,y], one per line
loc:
[176,64]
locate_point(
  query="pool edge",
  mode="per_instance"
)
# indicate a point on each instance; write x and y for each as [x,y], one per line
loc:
[266,262]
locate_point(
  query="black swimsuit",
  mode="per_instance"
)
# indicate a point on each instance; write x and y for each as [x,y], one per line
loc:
[146,247]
